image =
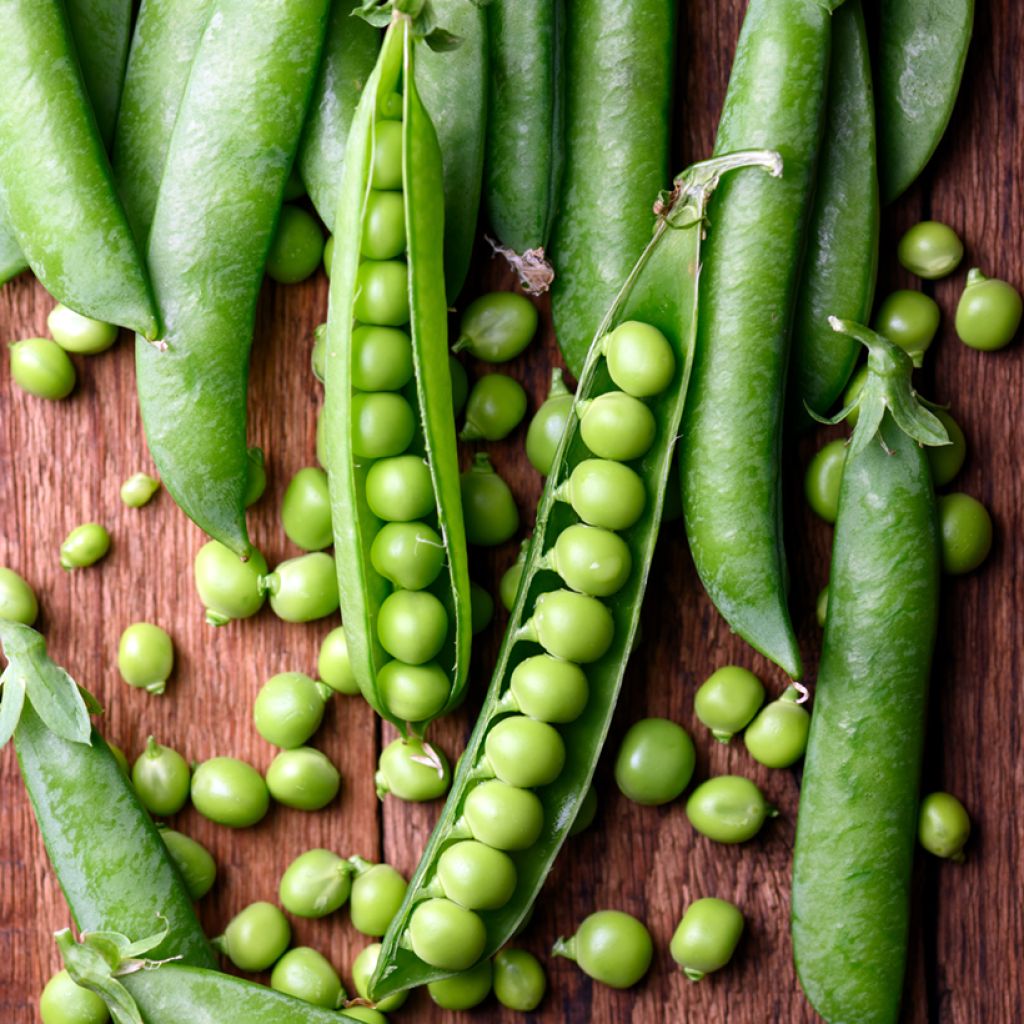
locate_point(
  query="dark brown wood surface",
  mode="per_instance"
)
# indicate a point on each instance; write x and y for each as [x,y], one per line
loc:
[62,464]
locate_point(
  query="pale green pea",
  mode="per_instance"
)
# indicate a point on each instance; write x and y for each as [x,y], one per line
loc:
[77,333]
[255,937]
[85,545]
[145,657]
[362,970]
[519,980]
[139,489]
[306,510]
[303,778]
[42,368]
[377,893]
[17,599]
[315,884]
[193,861]
[463,991]
[333,664]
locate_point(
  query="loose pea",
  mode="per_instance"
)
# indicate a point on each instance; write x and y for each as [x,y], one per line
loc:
[362,970]
[333,665]
[640,359]
[525,752]
[85,545]
[487,504]
[930,250]
[590,560]
[303,589]
[257,482]
[946,459]
[381,358]
[399,489]
[476,876]
[306,510]
[909,319]
[495,408]
[706,937]
[728,700]
[496,327]
[549,689]
[509,585]
[139,489]
[377,893]
[303,778]
[966,529]
[308,975]
[412,626]
[77,333]
[328,255]
[383,226]
[943,826]
[193,861]
[988,313]
[777,737]
[519,980]
[410,555]
[289,709]
[414,693]
[616,426]
[382,424]
[611,947]
[255,937]
[821,607]
[504,817]
[145,657]
[17,599]
[229,792]
[315,884]
[548,425]
[228,587]
[728,809]
[64,1002]
[460,384]
[463,991]
[382,293]
[655,761]
[481,608]
[412,770]
[822,479]
[387,155]
[297,246]
[570,626]
[161,779]
[445,935]
[604,493]
[586,813]
[42,368]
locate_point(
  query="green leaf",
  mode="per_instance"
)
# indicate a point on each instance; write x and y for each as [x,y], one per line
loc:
[12,700]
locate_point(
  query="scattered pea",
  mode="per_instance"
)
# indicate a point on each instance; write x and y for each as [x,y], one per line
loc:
[145,657]
[497,326]
[655,761]
[289,708]
[495,407]
[161,779]
[777,737]
[306,510]
[42,368]
[822,479]
[308,975]
[488,505]
[445,935]
[255,937]
[303,778]
[460,384]
[463,991]
[304,588]
[728,809]
[193,861]
[17,599]
[228,587]
[85,545]
[988,313]
[821,606]
[315,884]
[909,319]
[943,826]
[966,529]
[333,665]
[519,980]
[365,1014]
[930,249]
[139,489]
[377,893]
[640,359]
[64,1002]
[362,970]
[853,389]
[412,770]
[727,700]
[611,947]
[548,425]
[297,246]
[706,937]
[229,792]
[75,332]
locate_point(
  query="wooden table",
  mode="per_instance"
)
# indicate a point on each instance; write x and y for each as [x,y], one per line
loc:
[62,463]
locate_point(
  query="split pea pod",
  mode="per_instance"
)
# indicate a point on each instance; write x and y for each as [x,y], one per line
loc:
[55,179]
[620,57]
[228,158]
[529,762]
[842,237]
[857,822]
[399,538]
[730,452]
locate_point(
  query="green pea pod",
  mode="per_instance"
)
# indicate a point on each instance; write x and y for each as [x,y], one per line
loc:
[227,162]
[858,800]
[167,34]
[842,238]
[619,89]
[101,30]
[524,132]
[12,261]
[55,180]
[922,49]
[362,590]
[730,454]
[350,52]
[453,87]
[661,291]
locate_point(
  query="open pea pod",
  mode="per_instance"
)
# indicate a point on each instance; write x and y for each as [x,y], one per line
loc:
[391,99]
[660,292]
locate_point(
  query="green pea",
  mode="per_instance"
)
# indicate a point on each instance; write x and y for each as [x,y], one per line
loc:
[549,689]
[308,975]
[909,319]
[412,770]
[586,813]
[161,779]
[616,426]
[495,408]
[145,657]
[497,326]
[508,588]
[706,937]
[410,555]
[42,368]
[640,359]
[381,358]
[315,884]
[382,293]
[85,545]
[303,778]
[611,947]
[328,256]
[519,980]
[728,809]
[64,1002]
[727,700]
[412,626]
[591,560]
[822,479]
[655,761]
[17,599]
[853,389]
[481,608]
[548,425]
[362,970]
[777,737]
[333,665]
[445,935]
[377,893]
[988,313]
[570,626]
[366,1014]
[930,249]
[384,226]
[257,482]
[255,937]
[289,709]
[229,792]
[303,589]
[228,587]
[382,424]
[604,493]
[943,826]
[139,489]
[400,489]
[503,816]
[77,333]
[525,752]
[414,693]
[488,505]
[387,155]
[193,861]
[821,606]
[306,510]
[297,246]
[966,529]
[463,991]
[947,459]
[476,876]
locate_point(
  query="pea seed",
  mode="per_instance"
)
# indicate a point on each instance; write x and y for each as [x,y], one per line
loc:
[727,700]
[306,510]
[257,482]
[946,460]
[966,529]
[382,424]
[410,555]
[655,761]
[229,792]
[509,585]
[496,327]
[289,709]
[706,937]
[387,155]
[161,779]
[616,426]
[590,560]
[307,975]
[17,599]
[489,508]
[460,385]
[586,813]
[414,693]
[412,626]
[412,770]
[519,980]
[362,970]
[318,356]
[193,861]
[75,332]
[315,884]
[611,947]
[570,626]
[549,689]
[604,493]
[728,809]
[297,246]
[524,752]
[821,607]
[42,368]
[930,249]
[85,545]
[139,489]
[399,489]
[145,657]
[228,587]
[377,893]
[255,937]
[383,226]
[495,408]
[943,826]
[463,991]
[476,876]
[548,425]
[381,358]
[777,737]
[909,319]
[822,479]
[988,313]
[504,817]
[303,778]
[640,359]
[445,935]
[382,293]
[64,1002]
[303,589]
[333,665]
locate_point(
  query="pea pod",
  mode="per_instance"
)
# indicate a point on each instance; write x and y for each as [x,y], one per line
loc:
[857,823]
[730,454]
[620,56]
[55,179]
[227,162]
[350,51]
[12,262]
[922,49]
[842,238]
[580,699]
[363,589]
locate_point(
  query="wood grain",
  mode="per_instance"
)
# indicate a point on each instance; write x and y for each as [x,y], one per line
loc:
[62,463]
